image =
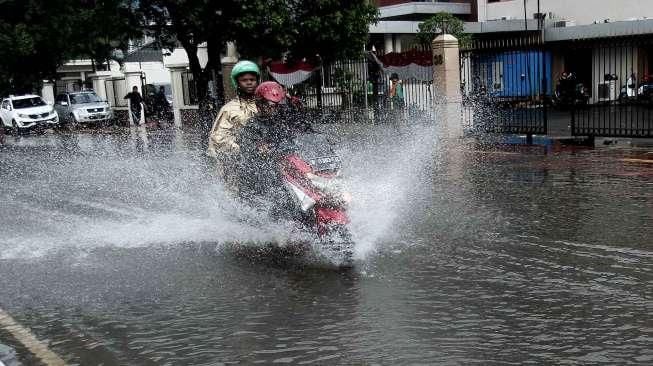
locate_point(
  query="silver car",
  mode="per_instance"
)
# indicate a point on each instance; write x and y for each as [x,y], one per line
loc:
[83,107]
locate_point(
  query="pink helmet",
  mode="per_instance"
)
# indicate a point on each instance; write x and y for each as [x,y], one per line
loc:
[271,91]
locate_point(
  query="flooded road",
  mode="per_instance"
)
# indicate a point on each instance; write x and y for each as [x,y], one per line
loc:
[120,248]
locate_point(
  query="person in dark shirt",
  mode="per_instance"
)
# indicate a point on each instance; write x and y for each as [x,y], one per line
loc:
[265,138]
[161,104]
[135,101]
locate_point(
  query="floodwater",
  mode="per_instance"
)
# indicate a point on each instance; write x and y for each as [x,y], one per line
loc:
[120,248]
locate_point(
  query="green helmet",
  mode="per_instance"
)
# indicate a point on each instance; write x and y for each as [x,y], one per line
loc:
[243,67]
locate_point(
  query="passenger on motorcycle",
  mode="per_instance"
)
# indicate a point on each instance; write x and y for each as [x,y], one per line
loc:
[264,137]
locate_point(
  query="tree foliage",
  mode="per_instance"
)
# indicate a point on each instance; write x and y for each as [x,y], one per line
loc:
[314,29]
[442,23]
[38,36]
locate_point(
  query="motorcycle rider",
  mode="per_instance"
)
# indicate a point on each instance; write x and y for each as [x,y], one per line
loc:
[263,137]
[232,117]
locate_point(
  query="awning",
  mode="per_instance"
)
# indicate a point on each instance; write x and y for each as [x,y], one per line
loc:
[290,74]
[409,65]
[601,30]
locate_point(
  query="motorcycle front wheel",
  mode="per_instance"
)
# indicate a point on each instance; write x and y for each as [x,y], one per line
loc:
[339,246]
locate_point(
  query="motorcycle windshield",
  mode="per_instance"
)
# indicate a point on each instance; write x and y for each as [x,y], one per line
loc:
[315,149]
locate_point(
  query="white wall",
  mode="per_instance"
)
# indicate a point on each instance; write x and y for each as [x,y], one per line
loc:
[179,56]
[155,72]
[580,11]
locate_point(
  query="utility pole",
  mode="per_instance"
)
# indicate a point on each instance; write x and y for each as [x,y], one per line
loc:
[525,18]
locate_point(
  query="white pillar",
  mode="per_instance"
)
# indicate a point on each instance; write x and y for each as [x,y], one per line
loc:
[133,79]
[446,85]
[397,42]
[387,38]
[99,79]
[228,63]
[47,91]
[177,91]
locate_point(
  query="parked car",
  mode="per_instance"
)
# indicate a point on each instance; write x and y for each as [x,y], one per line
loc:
[27,112]
[83,107]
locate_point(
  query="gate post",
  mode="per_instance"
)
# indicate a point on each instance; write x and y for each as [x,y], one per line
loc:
[47,91]
[99,79]
[228,63]
[446,85]
[177,91]
[133,79]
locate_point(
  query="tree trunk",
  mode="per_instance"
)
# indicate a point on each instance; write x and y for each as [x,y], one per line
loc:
[214,65]
[318,88]
[200,76]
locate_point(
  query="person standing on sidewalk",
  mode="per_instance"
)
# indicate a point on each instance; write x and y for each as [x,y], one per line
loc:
[396,94]
[136,104]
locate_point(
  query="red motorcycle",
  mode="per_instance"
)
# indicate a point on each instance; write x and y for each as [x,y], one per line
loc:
[313,194]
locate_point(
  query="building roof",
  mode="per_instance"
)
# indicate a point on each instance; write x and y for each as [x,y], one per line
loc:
[150,52]
[601,30]
[414,10]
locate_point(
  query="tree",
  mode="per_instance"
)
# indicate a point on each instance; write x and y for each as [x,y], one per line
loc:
[316,29]
[442,23]
[328,29]
[38,36]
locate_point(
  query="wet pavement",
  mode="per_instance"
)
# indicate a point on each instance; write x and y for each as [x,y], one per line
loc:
[118,247]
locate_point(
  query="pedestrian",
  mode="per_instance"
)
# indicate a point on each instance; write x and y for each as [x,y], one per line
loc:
[136,104]
[161,105]
[375,75]
[396,92]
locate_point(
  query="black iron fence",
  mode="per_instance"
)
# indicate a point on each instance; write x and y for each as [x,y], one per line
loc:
[115,92]
[608,86]
[347,91]
[189,87]
[506,90]
[68,85]
[579,88]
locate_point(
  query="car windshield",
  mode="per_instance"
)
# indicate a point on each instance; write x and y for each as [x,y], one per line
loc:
[84,98]
[28,102]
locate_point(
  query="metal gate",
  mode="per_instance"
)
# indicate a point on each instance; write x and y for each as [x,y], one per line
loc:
[116,89]
[345,91]
[611,88]
[505,90]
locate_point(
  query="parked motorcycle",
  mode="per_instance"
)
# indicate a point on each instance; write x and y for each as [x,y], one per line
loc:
[570,93]
[633,93]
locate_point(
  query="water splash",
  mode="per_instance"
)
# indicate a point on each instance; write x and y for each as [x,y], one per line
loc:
[386,167]
[83,192]
[102,194]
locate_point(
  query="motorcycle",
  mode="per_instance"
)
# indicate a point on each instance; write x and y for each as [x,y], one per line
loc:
[312,193]
[570,93]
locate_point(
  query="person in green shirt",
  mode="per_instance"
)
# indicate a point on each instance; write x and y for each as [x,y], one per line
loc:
[396,92]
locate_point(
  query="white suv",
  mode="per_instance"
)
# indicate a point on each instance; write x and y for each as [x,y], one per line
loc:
[27,111]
